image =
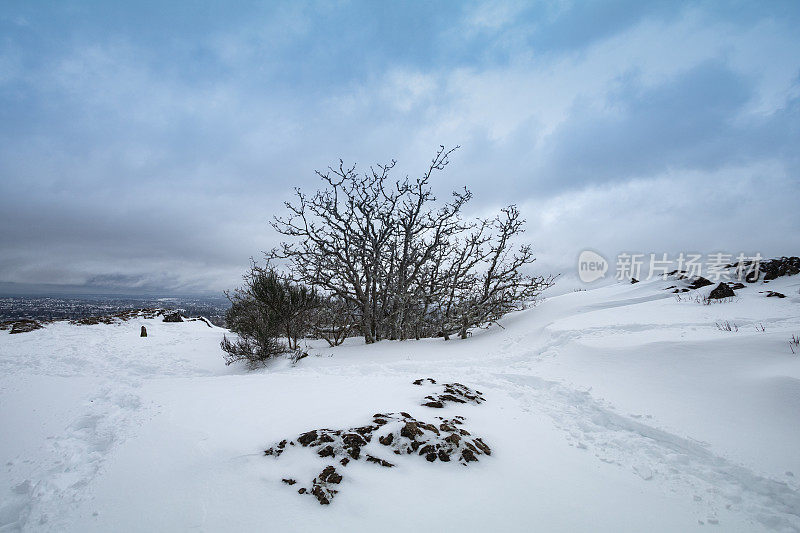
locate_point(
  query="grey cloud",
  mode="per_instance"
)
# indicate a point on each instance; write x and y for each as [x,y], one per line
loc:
[692,122]
[126,167]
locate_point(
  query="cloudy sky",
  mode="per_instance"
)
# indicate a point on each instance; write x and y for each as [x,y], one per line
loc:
[146,145]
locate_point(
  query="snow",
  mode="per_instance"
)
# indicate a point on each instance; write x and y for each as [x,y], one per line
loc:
[614,409]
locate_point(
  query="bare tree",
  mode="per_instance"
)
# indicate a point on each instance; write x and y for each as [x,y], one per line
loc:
[402,264]
[333,321]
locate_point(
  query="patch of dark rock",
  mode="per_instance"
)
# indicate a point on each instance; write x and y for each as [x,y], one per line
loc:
[321,486]
[634,280]
[400,433]
[782,266]
[329,475]
[736,286]
[774,294]
[379,461]
[698,282]
[323,494]
[423,380]
[454,393]
[120,316]
[93,320]
[352,443]
[468,456]
[22,326]
[443,440]
[307,438]
[410,430]
[173,317]
[720,292]
[289,481]
[143,332]
[327,451]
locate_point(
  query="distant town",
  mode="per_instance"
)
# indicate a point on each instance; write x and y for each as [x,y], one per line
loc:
[72,307]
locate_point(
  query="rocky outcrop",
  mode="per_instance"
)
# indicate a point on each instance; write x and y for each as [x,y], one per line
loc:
[22,326]
[173,317]
[439,439]
[453,393]
[783,266]
[720,292]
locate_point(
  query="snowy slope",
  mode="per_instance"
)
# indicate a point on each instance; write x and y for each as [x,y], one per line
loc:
[615,409]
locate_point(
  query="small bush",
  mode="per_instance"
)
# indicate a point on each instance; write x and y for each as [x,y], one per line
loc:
[266,310]
[727,326]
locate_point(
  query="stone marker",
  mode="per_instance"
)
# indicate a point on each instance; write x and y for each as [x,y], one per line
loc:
[144,331]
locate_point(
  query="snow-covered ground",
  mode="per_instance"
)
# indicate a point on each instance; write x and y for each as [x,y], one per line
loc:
[614,409]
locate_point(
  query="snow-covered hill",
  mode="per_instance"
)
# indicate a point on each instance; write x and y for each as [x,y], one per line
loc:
[623,408]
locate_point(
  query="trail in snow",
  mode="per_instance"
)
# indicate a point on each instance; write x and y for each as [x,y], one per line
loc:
[75,457]
[654,454]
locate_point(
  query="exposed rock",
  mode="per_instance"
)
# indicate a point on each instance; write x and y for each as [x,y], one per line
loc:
[24,326]
[783,266]
[307,438]
[634,280]
[144,332]
[202,319]
[323,493]
[698,282]
[400,433]
[454,393]
[173,317]
[329,475]
[721,291]
[121,316]
[774,294]
[410,430]
[379,461]
[321,486]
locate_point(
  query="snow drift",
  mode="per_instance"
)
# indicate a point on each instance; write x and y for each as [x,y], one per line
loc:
[624,408]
